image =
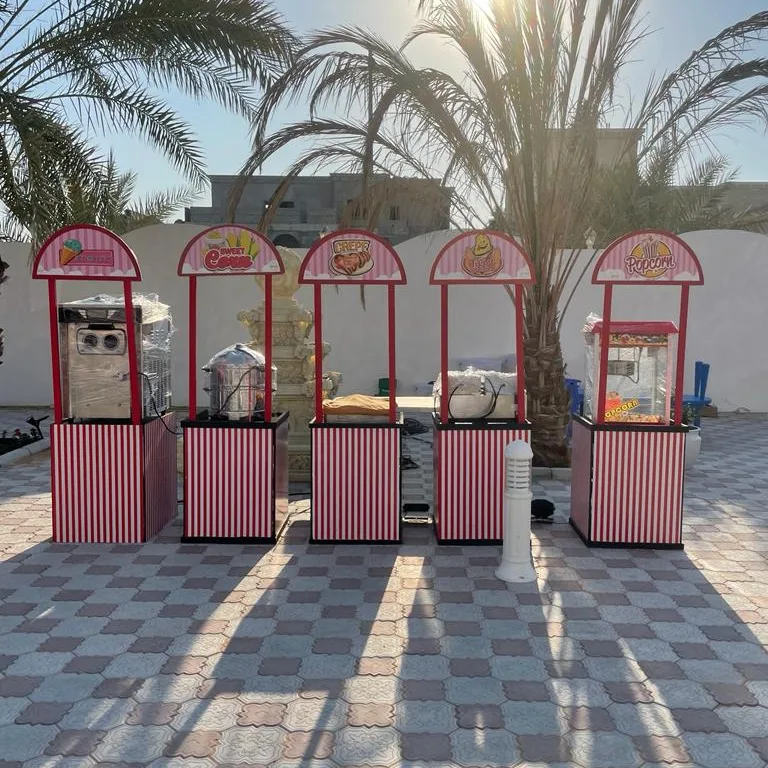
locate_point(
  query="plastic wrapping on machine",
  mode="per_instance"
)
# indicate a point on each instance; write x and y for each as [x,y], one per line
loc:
[478,394]
[94,343]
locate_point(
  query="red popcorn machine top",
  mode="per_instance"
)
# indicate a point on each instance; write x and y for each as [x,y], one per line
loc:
[479,412]
[628,449]
[113,441]
[355,440]
[236,449]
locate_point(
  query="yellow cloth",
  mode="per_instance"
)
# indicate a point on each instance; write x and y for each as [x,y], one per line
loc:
[357,405]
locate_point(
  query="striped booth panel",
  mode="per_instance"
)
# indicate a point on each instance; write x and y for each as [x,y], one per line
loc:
[160,479]
[637,487]
[581,476]
[355,483]
[228,486]
[96,483]
[469,482]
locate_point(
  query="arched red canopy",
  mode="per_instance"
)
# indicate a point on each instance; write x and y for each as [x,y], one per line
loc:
[85,252]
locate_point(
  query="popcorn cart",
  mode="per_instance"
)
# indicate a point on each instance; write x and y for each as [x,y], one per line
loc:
[235,449]
[113,441]
[355,440]
[628,449]
[479,412]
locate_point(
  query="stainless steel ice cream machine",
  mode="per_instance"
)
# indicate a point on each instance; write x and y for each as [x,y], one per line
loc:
[93,341]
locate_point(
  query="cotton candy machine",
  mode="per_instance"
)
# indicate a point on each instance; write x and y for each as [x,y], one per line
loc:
[237,383]
[475,394]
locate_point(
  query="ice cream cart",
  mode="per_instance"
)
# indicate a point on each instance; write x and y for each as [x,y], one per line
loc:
[479,412]
[113,443]
[355,441]
[236,448]
[628,450]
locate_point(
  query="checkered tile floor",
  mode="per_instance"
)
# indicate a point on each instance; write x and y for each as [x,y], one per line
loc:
[175,654]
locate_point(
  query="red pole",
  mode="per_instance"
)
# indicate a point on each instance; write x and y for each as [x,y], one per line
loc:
[520,353]
[680,368]
[392,344]
[603,369]
[268,347]
[55,353]
[192,347]
[444,395]
[318,353]
[133,363]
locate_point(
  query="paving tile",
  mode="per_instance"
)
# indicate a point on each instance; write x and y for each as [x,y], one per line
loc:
[71,743]
[745,721]
[424,717]
[533,717]
[610,750]
[43,713]
[152,713]
[729,693]
[367,746]
[315,714]
[589,719]
[482,747]
[189,744]
[370,715]
[317,745]
[262,714]
[715,750]
[479,716]
[23,742]
[698,721]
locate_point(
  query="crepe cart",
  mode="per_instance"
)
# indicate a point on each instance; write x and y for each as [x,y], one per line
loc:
[479,416]
[628,455]
[113,446]
[236,449]
[356,486]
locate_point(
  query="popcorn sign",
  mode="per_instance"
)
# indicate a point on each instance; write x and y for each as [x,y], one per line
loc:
[650,259]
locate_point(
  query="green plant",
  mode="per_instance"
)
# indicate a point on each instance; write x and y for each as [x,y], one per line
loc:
[689,415]
[513,129]
[72,67]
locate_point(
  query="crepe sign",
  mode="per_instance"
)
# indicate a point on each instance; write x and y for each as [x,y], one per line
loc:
[85,252]
[229,250]
[482,257]
[648,256]
[352,256]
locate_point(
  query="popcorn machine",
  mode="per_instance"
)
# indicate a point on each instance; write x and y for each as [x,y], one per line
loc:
[628,447]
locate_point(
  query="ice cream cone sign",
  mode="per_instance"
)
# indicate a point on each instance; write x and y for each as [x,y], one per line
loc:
[69,250]
[482,258]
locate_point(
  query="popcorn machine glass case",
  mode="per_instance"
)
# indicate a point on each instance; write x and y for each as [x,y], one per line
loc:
[639,371]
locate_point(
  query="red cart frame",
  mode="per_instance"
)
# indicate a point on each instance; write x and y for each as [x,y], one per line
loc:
[356,483]
[111,481]
[469,455]
[235,473]
[627,479]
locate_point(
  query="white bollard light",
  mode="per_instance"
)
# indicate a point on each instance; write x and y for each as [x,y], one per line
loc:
[516,565]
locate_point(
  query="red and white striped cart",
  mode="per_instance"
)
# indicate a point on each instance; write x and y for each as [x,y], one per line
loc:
[356,484]
[235,471]
[113,480]
[628,455]
[469,453]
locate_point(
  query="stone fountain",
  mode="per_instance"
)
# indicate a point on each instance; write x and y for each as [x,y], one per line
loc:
[293,353]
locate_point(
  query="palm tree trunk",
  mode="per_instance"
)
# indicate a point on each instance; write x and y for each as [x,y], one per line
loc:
[548,404]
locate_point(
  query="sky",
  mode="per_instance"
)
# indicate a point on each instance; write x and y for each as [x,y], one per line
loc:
[677,27]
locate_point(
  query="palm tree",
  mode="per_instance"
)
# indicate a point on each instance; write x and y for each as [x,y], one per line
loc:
[106,198]
[72,67]
[515,132]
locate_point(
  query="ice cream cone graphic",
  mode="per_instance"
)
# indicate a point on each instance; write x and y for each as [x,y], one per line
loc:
[69,250]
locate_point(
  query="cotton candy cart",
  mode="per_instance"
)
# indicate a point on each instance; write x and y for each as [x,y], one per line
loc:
[113,444]
[628,450]
[235,462]
[469,452]
[356,483]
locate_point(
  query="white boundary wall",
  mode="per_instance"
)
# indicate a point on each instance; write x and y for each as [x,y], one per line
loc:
[728,317]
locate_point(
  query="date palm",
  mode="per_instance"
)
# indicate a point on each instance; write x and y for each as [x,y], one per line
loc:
[514,130]
[71,68]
